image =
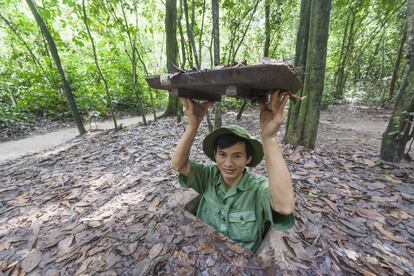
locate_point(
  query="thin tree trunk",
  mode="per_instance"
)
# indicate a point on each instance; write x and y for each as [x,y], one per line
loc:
[172,50]
[381,89]
[397,64]
[55,54]
[182,39]
[239,114]
[339,73]
[133,58]
[267,28]
[218,108]
[346,53]
[201,32]
[300,61]
[154,112]
[216,32]
[95,57]
[190,32]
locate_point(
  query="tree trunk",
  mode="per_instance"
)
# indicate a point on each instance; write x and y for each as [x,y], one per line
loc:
[190,31]
[338,93]
[267,29]
[300,61]
[216,31]
[218,108]
[304,129]
[171,49]
[154,112]
[397,133]
[182,39]
[239,114]
[347,47]
[133,59]
[55,54]
[200,39]
[95,57]
[397,64]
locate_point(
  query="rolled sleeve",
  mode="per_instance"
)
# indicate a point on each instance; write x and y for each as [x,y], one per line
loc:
[198,178]
[279,222]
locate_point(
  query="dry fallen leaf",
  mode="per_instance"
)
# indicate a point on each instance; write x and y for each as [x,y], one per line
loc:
[393,180]
[155,250]
[65,244]
[112,259]
[31,261]
[388,234]
[351,254]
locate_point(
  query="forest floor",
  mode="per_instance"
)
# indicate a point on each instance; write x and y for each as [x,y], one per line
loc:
[108,202]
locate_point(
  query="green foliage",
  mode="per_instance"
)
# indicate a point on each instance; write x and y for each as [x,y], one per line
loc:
[13,119]
[32,88]
[36,88]
[372,31]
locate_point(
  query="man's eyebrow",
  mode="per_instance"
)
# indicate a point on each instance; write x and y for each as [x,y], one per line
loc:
[238,152]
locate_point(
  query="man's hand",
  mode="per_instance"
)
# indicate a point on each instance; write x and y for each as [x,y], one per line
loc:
[271,118]
[195,112]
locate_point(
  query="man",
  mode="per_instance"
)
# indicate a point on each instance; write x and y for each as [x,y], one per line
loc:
[235,202]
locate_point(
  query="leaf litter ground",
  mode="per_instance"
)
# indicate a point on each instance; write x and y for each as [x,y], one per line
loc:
[109,203]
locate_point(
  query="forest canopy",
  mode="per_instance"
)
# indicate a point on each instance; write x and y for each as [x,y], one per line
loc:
[107,48]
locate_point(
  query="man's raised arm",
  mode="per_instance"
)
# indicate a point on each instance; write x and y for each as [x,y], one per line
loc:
[195,113]
[280,182]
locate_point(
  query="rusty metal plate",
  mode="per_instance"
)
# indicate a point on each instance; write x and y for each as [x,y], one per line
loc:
[248,82]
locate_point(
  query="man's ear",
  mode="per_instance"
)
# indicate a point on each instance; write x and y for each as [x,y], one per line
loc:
[249,159]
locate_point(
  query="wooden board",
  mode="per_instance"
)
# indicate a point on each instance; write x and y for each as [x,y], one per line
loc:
[249,82]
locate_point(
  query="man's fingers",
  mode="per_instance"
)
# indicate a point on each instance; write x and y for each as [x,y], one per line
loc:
[190,105]
[185,103]
[284,101]
[278,100]
[262,106]
[275,101]
[208,104]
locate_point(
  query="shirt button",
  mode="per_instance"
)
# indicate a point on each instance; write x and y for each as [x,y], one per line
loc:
[241,218]
[224,202]
[224,219]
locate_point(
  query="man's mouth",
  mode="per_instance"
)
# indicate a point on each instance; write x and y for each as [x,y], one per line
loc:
[228,171]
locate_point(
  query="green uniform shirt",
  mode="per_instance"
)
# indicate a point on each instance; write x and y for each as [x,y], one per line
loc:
[241,212]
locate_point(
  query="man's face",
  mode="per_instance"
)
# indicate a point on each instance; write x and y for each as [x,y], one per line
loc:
[231,162]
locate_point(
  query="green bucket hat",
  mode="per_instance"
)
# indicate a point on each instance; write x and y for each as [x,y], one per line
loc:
[208,143]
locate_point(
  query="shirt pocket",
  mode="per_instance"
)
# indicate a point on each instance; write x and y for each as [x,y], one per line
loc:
[242,225]
[210,213]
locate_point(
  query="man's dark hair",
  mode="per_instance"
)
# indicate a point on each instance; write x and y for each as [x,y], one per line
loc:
[227,140]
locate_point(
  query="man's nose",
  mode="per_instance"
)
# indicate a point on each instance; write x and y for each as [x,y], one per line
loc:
[228,161]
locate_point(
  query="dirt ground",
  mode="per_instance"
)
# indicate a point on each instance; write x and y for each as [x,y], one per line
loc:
[53,135]
[109,203]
